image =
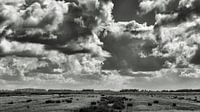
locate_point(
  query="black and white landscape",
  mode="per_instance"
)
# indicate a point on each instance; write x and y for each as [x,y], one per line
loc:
[86,51]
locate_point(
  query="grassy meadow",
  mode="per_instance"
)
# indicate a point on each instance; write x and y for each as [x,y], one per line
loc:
[141,102]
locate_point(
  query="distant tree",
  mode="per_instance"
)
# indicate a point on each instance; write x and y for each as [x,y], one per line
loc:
[129,90]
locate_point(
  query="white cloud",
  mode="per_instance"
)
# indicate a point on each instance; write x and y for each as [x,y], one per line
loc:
[149,5]
[57,38]
[53,41]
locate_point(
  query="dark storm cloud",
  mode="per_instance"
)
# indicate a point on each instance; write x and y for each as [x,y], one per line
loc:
[131,45]
[126,51]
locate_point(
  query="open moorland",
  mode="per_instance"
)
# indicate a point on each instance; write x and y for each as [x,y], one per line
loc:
[96,102]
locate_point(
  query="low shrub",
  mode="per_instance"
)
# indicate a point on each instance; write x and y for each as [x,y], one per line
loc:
[194,100]
[156,101]
[129,105]
[49,101]
[198,101]
[57,101]
[93,103]
[11,102]
[124,98]
[149,104]
[181,98]
[189,99]
[96,109]
[102,95]
[68,100]
[29,100]
[174,104]
[118,105]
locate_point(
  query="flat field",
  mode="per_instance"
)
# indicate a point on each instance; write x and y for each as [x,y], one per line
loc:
[141,102]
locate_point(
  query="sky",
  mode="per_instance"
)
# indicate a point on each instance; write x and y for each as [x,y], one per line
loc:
[100,44]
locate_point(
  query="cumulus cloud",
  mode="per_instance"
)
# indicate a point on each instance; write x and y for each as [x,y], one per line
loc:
[164,79]
[56,24]
[77,42]
[15,68]
[52,39]
[158,5]
[176,32]
[172,11]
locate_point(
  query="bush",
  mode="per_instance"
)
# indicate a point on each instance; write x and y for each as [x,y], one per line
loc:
[95,109]
[29,100]
[181,98]
[124,98]
[112,99]
[194,100]
[49,101]
[11,102]
[68,101]
[189,99]
[149,104]
[103,103]
[156,101]
[118,105]
[129,105]
[174,104]
[102,95]
[198,101]
[93,103]
[58,101]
